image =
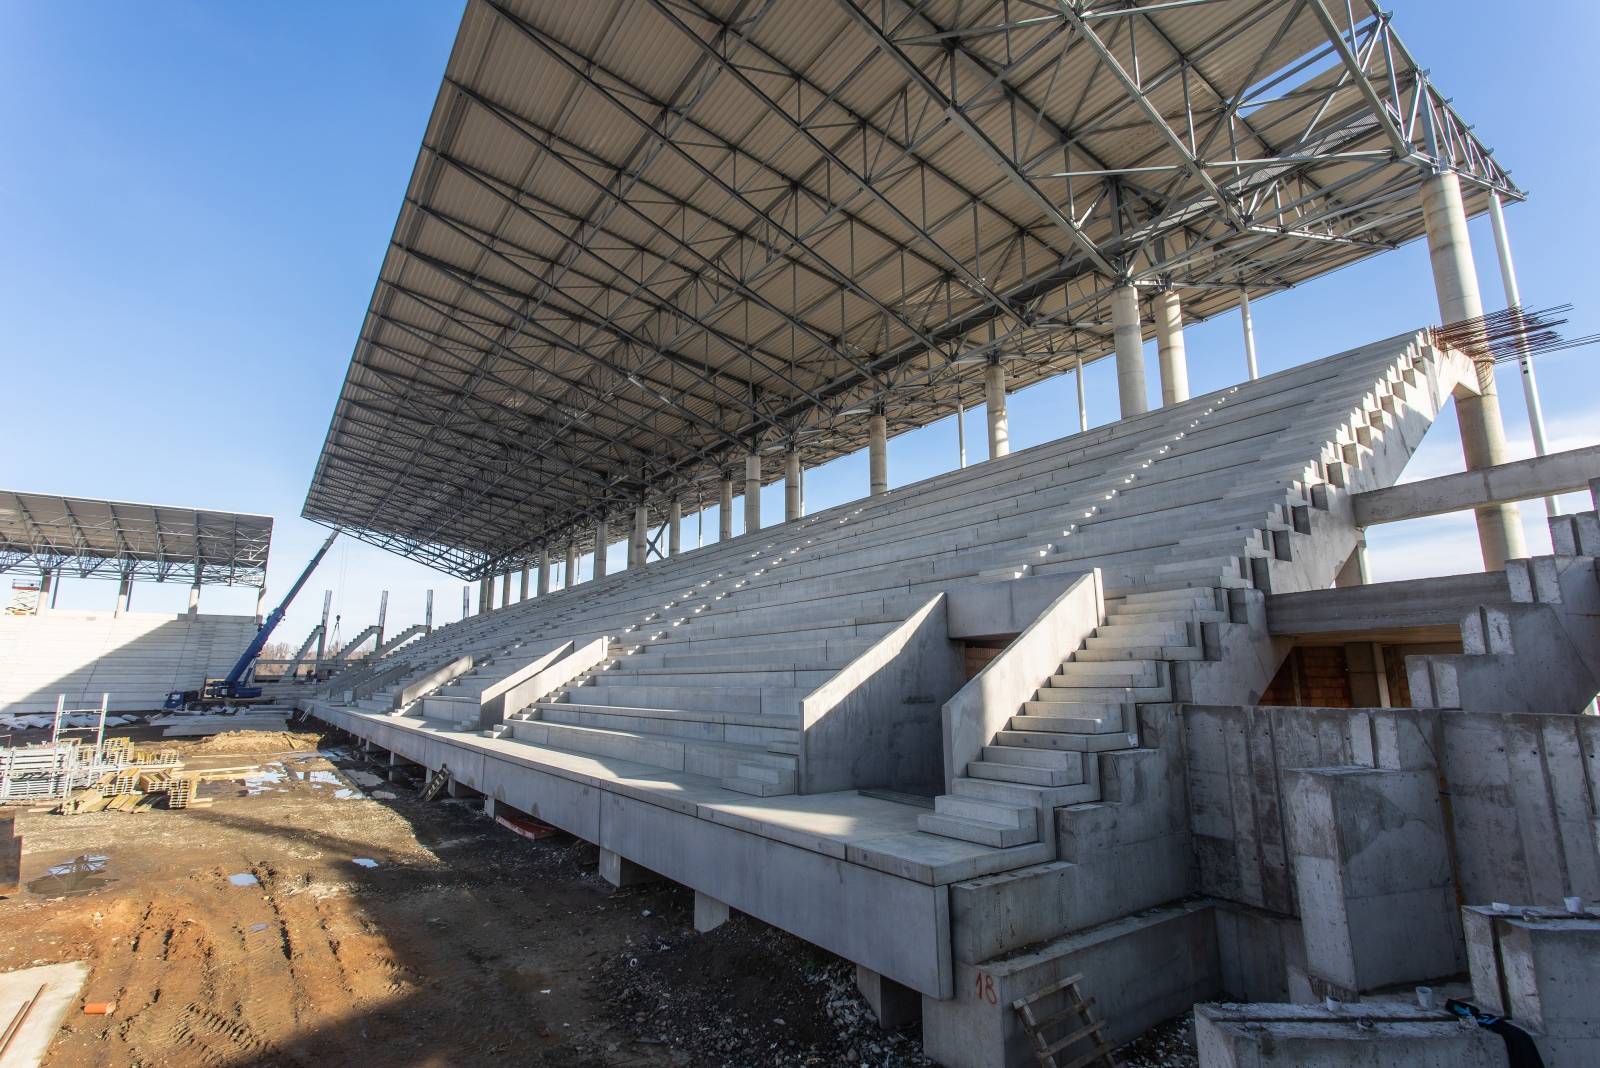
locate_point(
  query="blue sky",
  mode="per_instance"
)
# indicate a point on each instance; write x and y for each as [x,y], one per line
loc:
[196,198]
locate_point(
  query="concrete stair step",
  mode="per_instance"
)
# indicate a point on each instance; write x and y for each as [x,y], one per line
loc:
[1121,616]
[1083,743]
[1026,794]
[761,780]
[1039,716]
[997,825]
[1078,673]
[1067,693]
[1101,650]
[1000,771]
[1144,633]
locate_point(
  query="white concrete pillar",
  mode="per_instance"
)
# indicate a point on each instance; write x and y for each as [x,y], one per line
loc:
[505,590]
[1483,438]
[637,545]
[485,594]
[709,913]
[1083,405]
[994,399]
[1169,342]
[1530,385]
[526,587]
[194,598]
[794,494]
[674,527]
[725,509]
[571,575]
[1249,334]
[752,492]
[1128,336]
[961,435]
[46,588]
[543,583]
[261,604]
[427,614]
[124,594]
[877,453]
[602,541]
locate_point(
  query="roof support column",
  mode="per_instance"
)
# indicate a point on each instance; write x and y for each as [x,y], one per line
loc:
[602,539]
[638,544]
[124,595]
[794,493]
[485,594]
[1249,334]
[994,399]
[1530,385]
[1483,436]
[1169,342]
[194,597]
[1129,339]
[1083,405]
[322,631]
[961,436]
[544,570]
[523,596]
[752,492]
[261,604]
[878,453]
[47,581]
[674,527]
[505,590]
[427,614]
[725,509]
[571,575]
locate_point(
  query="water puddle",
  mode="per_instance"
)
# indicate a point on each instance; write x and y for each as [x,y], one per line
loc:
[79,875]
[365,862]
[244,878]
[267,780]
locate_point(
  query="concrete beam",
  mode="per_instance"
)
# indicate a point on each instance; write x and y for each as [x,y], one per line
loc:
[1519,480]
[1430,602]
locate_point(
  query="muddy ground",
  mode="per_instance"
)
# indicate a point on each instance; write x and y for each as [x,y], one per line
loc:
[247,934]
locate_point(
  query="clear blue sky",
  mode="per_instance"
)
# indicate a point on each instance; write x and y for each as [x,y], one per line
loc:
[195,199]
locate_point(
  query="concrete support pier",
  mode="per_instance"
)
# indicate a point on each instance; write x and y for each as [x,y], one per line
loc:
[896,1006]
[572,564]
[194,596]
[752,492]
[485,595]
[602,538]
[1513,292]
[619,871]
[878,453]
[46,586]
[526,588]
[505,589]
[1483,436]
[544,570]
[1129,339]
[1083,404]
[124,595]
[725,518]
[709,913]
[1249,335]
[794,494]
[994,399]
[674,527]
[1169,341]
[638,544]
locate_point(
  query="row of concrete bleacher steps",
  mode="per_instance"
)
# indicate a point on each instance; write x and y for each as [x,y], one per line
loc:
[136,657]
[1179,498]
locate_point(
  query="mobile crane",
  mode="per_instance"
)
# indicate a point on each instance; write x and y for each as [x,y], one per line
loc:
[233,689]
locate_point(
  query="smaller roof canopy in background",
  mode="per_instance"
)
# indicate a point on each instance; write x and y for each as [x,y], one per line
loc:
[41,532]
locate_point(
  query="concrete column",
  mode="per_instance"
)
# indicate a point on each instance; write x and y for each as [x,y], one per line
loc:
[194,599]
[322,631]
[505,590]
[1083,405]
[1483,437]
[752,492]
[961,435]
[794,494]
[877,453]
[638,545]
[1169,342]
[1129,339]
[525,586]
[725,507]
[709,913]
[1530,384]
[47,581]
[543,584]
[572,564]
[994,399]
[602,539]
[1249,334]
[674,527]
[486,594]
[261,605]
[895,1006]
[124,594]
[427,614]
[619,871]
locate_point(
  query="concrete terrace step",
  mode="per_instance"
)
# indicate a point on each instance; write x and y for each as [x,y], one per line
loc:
[984,822]
[717,760]
[1064,722]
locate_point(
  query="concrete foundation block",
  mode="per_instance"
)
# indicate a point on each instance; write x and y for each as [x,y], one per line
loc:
[1372,876]
[709,913]
[897,1007]
[1369,1035]
[1540,968]
[1262,955]
[619,871]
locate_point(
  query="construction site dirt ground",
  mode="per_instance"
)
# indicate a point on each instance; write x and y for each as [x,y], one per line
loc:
[314,914]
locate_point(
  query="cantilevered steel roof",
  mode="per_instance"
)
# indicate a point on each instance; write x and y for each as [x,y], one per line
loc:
[110,539]
[646,236]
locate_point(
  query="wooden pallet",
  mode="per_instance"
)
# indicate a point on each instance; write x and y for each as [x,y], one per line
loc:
[1078,1032]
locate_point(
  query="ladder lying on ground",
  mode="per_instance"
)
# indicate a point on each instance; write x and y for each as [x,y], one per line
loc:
[1083,1029]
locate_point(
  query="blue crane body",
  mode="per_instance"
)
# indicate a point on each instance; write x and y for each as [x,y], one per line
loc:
[232,687]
